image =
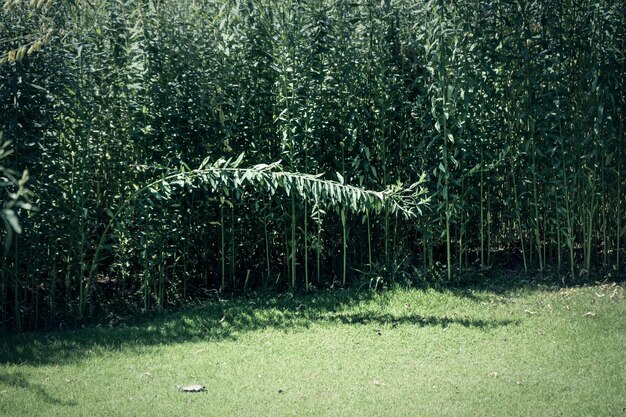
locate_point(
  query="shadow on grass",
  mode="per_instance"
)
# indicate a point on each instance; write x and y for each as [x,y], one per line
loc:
[220,320]
[478,285]
[419,320]
[17,380]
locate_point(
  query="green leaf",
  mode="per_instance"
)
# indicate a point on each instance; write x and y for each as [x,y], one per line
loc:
[10,216]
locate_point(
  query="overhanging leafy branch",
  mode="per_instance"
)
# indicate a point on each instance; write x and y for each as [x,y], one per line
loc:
[225,175]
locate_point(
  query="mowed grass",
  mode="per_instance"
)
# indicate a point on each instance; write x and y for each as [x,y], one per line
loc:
[528,351]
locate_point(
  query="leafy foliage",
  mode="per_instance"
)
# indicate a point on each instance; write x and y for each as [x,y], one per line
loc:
[14,196]
[510,114]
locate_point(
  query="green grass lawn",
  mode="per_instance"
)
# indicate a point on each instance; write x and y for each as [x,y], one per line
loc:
[528,351]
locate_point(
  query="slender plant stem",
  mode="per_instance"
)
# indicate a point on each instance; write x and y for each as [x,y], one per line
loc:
[345,246]
[222,250]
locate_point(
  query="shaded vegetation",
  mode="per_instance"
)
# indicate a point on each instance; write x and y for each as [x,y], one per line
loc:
[509,113]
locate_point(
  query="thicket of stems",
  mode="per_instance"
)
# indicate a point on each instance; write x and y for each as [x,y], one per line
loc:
[513,110]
